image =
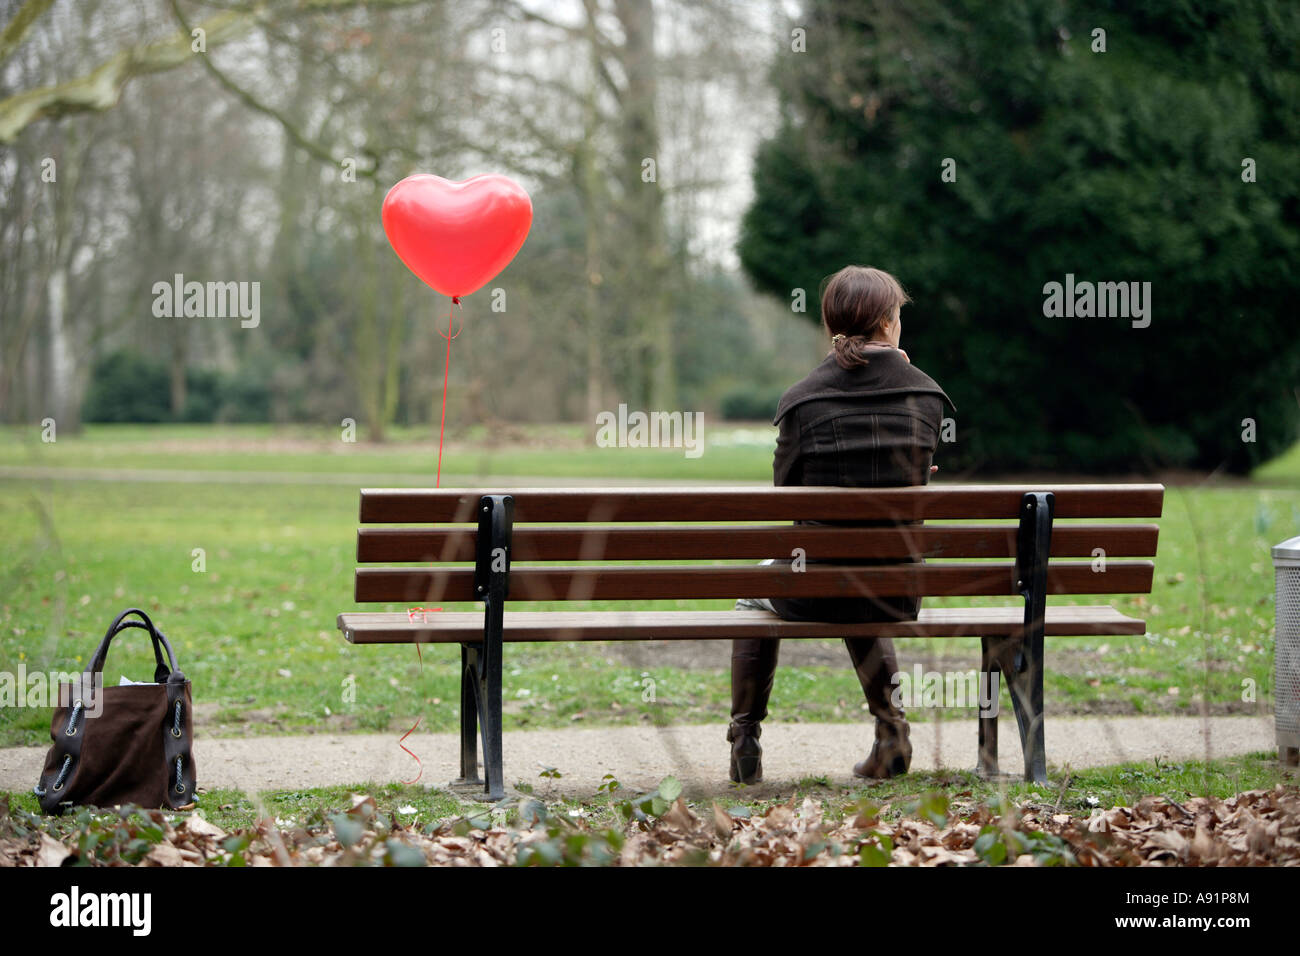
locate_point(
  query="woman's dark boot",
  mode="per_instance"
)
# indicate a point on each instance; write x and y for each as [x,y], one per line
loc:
[891,754]
[746,753]
[753,669]
[876,663]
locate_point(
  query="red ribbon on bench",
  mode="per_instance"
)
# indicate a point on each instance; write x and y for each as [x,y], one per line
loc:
[411,612]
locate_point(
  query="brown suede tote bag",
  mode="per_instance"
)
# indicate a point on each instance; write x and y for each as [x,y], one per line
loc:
[119,745]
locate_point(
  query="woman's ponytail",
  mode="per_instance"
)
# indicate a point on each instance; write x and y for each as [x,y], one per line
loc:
[857,303]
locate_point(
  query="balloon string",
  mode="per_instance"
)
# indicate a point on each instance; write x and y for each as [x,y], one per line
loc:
[402,743]
[402,740]
[442,429]
[446,374]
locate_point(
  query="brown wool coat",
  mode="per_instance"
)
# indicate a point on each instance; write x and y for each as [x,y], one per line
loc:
[871,426]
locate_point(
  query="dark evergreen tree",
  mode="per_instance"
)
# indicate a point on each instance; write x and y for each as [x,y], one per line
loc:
[1117,166]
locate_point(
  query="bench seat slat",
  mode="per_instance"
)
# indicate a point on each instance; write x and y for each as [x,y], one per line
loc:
[742,503]
[737,542]
[536,626]
[621,583]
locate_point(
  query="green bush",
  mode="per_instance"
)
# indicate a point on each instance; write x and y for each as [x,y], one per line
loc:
[126,387]
[203,395]
[750,403]
[247,394]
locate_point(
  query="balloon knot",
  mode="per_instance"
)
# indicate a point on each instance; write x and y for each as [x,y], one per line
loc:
[455,300]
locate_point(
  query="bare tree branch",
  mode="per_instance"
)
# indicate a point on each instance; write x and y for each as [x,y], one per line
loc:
[27,14]
[601,47]
[576,31]
[587,30]
[100,90]
[291,129]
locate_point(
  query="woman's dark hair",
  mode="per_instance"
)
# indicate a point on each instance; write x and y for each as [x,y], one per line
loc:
[857,302]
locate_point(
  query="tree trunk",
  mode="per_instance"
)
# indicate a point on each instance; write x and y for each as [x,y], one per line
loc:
[62,390]
[178,350]
[648,266]
[590,189]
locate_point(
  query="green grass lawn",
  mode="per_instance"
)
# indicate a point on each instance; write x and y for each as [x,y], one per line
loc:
[1285,469]
[255,631]
[471,454]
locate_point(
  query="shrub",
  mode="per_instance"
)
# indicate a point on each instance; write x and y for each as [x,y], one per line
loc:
[751,403]
[127,387]
[203,395]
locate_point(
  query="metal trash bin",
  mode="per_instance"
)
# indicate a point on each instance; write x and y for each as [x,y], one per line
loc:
[1286,651]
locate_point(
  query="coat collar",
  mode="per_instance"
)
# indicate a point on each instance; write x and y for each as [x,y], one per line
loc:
[887,373]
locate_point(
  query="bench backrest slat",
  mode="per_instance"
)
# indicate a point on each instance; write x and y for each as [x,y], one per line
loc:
[683,543]
[932,502]
[614,583]
[601,525]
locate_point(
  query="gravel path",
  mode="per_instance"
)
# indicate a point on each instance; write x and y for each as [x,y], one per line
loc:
[640,756]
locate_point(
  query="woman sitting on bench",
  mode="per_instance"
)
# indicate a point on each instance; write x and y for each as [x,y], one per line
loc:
[864,417]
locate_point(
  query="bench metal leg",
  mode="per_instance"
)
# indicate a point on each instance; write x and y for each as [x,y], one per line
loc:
[988,726]
[491,584]
[480,718]
[490,699]
[1025,682]
[1025,679]
[1013,658]
[469,679]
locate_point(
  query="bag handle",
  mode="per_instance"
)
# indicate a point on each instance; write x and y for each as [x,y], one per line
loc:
[162,672]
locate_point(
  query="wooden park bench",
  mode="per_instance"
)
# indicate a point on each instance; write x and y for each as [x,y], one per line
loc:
[494,547]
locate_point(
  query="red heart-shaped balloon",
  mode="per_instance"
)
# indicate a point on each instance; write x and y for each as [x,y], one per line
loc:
[457,236]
